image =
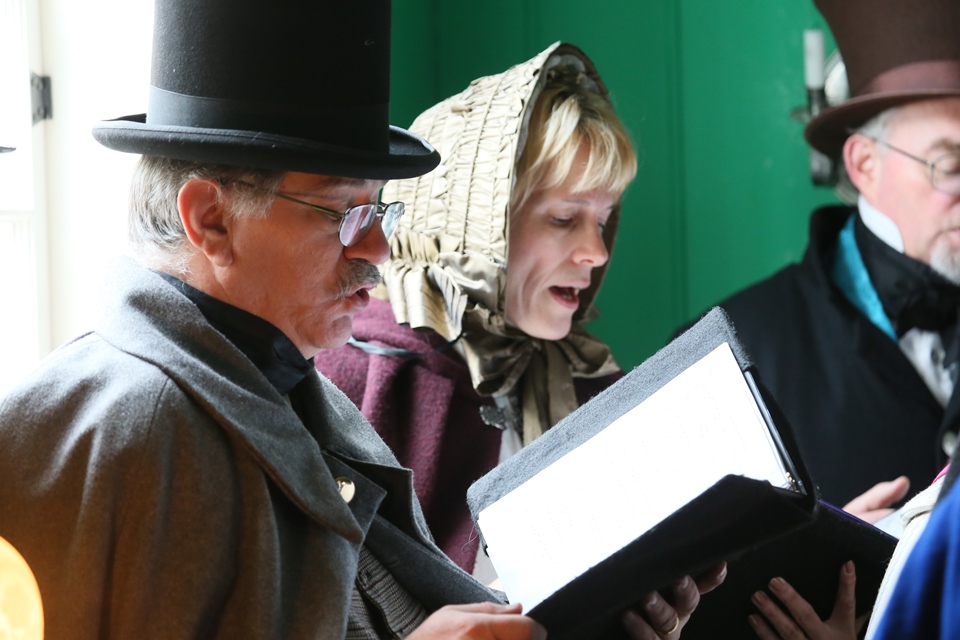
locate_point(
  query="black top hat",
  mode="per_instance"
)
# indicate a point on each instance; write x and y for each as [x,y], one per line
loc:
[293,85]
[895,51]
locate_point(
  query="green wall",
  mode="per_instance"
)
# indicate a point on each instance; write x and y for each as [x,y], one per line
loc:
[706,88]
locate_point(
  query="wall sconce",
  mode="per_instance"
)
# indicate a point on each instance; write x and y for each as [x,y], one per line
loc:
[822,169]
[21,612]
[826,83]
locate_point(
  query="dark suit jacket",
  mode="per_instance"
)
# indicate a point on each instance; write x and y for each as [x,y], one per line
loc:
[858,407]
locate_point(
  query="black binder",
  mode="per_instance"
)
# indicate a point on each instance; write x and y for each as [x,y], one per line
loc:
[762,531]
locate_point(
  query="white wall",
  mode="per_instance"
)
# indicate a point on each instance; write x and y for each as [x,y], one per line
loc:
[97,54]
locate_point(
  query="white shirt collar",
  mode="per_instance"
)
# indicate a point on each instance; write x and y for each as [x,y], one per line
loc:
[881,225]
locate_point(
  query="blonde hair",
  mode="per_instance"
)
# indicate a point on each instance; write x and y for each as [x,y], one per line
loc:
[567,114]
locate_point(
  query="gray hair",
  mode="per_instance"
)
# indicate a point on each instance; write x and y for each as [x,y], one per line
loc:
[876,128]
[154,226]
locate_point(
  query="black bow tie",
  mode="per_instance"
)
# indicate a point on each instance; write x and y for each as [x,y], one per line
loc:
[912,294]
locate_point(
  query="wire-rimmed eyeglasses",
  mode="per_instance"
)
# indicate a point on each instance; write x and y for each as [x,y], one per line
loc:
[944,170]
[355,222]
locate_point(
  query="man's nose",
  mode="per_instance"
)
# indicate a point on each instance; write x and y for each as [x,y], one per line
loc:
[373,247]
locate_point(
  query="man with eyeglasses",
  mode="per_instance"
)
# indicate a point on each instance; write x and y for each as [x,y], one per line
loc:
[858,342]
[182,471]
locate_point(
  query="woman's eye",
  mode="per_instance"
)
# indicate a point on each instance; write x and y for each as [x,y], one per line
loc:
[561,221]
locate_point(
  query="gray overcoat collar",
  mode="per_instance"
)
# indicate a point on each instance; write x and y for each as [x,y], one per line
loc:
[241,400]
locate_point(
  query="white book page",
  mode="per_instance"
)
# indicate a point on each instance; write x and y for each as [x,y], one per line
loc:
[699,427]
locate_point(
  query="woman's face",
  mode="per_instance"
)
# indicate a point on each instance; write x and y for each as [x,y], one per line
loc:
[556,241]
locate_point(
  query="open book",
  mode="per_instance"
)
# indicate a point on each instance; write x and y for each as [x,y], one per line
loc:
[679,465]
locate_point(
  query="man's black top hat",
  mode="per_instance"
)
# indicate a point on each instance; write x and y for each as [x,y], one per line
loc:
[293,85]
[895,52]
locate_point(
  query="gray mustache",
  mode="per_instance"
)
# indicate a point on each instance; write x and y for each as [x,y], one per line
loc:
[356,274]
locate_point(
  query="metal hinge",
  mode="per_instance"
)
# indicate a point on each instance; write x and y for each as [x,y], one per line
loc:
[41,100]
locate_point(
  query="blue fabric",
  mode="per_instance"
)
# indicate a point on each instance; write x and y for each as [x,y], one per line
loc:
[926,600]
[849,273]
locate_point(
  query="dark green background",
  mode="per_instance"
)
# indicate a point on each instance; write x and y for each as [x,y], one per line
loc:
[705,87]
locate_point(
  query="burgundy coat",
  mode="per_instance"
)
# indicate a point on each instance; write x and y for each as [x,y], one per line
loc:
[427,411]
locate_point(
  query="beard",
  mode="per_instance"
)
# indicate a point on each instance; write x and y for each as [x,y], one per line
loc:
[945,260]
[356,274]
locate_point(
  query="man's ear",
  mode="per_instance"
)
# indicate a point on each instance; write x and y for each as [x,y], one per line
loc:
[205,220]
[861,159]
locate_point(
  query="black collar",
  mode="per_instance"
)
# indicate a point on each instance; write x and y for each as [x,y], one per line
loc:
[912,293]
[272,352]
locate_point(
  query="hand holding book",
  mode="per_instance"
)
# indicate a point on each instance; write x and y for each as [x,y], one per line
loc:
[799,620]
[665,616]
[796,618]
[654,617]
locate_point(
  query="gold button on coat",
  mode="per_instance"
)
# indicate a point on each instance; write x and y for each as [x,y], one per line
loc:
[346,488]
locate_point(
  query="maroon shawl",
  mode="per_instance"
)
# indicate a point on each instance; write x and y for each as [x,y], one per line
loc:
[428,413]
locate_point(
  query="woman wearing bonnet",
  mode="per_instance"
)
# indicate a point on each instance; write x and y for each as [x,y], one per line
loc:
[477,344]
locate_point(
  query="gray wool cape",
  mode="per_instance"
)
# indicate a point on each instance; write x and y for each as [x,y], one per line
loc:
[160,487]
